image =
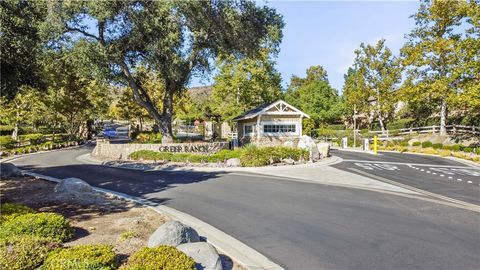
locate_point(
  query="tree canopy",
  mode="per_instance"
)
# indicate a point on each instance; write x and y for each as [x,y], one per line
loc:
[174,38]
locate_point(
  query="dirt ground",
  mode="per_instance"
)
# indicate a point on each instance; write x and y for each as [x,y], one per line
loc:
[123,224]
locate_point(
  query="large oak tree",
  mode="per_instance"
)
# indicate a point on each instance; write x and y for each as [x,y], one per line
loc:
[177,39]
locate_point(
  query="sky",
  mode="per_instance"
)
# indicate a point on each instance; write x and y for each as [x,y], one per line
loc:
[327,33]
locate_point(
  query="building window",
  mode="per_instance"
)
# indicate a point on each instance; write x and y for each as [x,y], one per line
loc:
[249,129]
[279,128]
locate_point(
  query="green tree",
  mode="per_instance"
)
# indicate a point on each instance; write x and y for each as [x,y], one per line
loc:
[244,84]
[373,82]
[24,108]
[174,38]
[20,45]
[442,55]
[314,95]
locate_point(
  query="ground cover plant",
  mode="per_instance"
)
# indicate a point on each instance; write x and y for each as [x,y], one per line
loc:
[82,257]
[159,258]
[249,156]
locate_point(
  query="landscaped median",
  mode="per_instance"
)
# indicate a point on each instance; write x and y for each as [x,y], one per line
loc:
[457,150]
[249,156]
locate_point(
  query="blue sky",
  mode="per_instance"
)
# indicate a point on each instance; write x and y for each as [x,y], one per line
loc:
[326,33]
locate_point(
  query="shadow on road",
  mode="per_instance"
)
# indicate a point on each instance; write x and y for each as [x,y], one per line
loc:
[131,182]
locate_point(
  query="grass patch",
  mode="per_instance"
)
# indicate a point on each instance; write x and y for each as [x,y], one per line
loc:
[82,257]
[159,258]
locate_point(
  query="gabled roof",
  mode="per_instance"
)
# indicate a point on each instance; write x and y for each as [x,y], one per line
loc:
[263,109]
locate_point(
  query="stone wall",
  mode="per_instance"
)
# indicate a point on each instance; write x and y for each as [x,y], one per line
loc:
[105,149]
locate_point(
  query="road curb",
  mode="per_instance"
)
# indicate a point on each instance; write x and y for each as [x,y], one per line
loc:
[42,152]
[237,250]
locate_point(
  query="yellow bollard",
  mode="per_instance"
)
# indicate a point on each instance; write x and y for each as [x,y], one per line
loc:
[375,144]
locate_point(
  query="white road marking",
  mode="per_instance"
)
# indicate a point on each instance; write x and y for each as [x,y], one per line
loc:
[450,177]
[459,179]
[428,171]
[441,175]
[422,170]
[407,163]
[434,173]
[469,182]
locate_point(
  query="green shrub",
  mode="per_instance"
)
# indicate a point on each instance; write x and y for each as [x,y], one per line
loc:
[404,144]
[6,129]
[447,147]
[46,225]
[34,139]
[400,123]
[82,257]
[9,211]
[159,258]
[426,144]
[467,149]
[416,143]
[254,157]
[148,137]
[6,142]
[24,252]
[336,127]
[437,146]
[457,147]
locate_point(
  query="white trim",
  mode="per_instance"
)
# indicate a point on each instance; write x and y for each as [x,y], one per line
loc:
[281,112]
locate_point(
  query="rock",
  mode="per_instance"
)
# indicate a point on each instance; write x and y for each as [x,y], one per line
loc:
[173,233]
[9,170]
[288,161]
[204,254]
[323,149]
[305,142]
[73,185]
[233,162]
[288,144]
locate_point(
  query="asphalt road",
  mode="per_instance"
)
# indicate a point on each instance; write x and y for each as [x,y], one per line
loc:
[298,225]
[438,175]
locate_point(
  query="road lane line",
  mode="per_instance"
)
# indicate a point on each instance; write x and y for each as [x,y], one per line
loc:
[408,163]
[440,198]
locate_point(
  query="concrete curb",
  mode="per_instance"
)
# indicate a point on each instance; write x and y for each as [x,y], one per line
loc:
[238,251]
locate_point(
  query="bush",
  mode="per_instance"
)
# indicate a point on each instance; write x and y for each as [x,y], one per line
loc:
[159,258]
[24,252]
[82,257]
[46,225]
[416,143]
[447,147]
[400,123]
[148,137]
[254,157]
[437,146]
[457,147]
[34,139]
[7,142]
[9,211]
[467,149]
[404,144]
[336,127]
[426,144]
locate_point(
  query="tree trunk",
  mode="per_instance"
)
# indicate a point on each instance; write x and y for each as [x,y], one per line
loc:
[166,123]
[443,118]
[15,128]
[382,125]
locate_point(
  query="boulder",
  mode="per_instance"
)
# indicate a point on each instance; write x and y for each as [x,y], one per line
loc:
[323,149]
[9,170]
[305,142]
[233,162]
[73,185]
[173,233]
[204,254]
[288,161]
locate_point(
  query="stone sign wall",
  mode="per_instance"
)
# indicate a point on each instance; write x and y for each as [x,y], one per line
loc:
[105,149]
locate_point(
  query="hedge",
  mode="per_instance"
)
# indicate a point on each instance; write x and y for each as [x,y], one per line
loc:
[159,258]
[148,137]
[416,143]
[24,252]
[46,225]
[437,146]
[82,257]
[249,156]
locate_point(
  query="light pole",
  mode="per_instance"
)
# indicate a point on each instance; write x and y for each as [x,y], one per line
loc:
[354,126]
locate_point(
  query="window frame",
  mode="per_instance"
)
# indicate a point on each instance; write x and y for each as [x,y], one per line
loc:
[252,125]
[279,133]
